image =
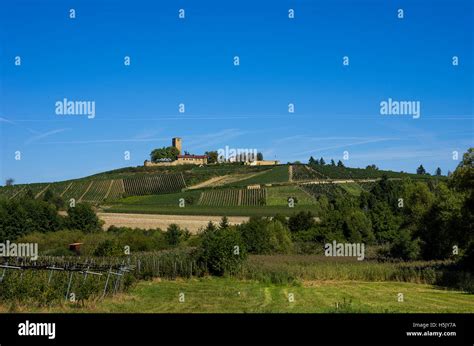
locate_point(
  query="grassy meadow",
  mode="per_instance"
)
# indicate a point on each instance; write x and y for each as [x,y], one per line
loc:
[227,295]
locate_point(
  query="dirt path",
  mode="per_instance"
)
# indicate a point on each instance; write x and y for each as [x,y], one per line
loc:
[192,222]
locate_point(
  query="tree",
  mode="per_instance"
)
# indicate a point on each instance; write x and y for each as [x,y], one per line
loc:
[83,218]
[264,236]
[173,234]
[301,221]
[211,156]
[440,227]
[374,167]
[222,251]
[170,153]
[9,182]
[332,162]
[340,164]
[438,172]
[417,199]
[224,223]
[322,162]
[385,223]
[421,170]
[259,157]
[404,247]
[358,227]
[312,161]
[21,217]
[254,235]
[53,198]
[463,177]
[279,237]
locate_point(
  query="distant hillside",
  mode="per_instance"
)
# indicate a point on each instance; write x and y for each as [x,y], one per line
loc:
[139,181]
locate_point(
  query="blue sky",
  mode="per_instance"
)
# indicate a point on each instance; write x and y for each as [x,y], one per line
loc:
[190,61]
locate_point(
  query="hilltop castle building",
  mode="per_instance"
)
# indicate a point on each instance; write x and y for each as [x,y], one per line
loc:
[188,159]
[185,159]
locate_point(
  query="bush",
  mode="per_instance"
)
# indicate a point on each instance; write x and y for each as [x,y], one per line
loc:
[174,234]
[467,261]
[404,247]
[301,221]
[108,247]
[279,238]
[357,227]
[222,251]
[19,218]
[82,217]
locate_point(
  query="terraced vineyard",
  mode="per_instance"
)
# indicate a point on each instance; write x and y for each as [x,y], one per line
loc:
[329,190]
[304,172]
[116,190]
[154,185]
[233,197]
[91,191]
[97,191]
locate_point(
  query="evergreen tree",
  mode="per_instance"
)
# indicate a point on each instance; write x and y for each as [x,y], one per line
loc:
[224,223]
[421,170]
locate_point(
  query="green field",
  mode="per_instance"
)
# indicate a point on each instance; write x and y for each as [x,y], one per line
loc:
[139,208]
[278,174]
[279,195]
[353,189]
[276,202]
[169,199]
[225,295]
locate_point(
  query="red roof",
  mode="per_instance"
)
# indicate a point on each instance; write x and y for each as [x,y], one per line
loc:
[192,156]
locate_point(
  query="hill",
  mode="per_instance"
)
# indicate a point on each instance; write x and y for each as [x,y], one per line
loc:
[213,186]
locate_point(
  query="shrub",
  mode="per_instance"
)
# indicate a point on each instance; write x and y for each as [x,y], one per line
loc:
[19,218]
[255,236]
[108,247]
[82,217]
[301,221]
[279,237]
[404,247]
[222,251]
[174,235]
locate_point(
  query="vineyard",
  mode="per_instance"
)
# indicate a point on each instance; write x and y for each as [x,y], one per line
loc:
[329,190]
[304,172]
[54,279]
[233,197]
[154,185]
[279,195]
[336,172]
[96,191]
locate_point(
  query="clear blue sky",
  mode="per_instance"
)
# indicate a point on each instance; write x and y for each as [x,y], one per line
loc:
[190,61]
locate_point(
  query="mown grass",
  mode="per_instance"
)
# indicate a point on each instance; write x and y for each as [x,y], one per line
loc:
[227,295]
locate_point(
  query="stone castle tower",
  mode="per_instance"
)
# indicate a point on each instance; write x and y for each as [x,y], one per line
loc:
[176,142]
